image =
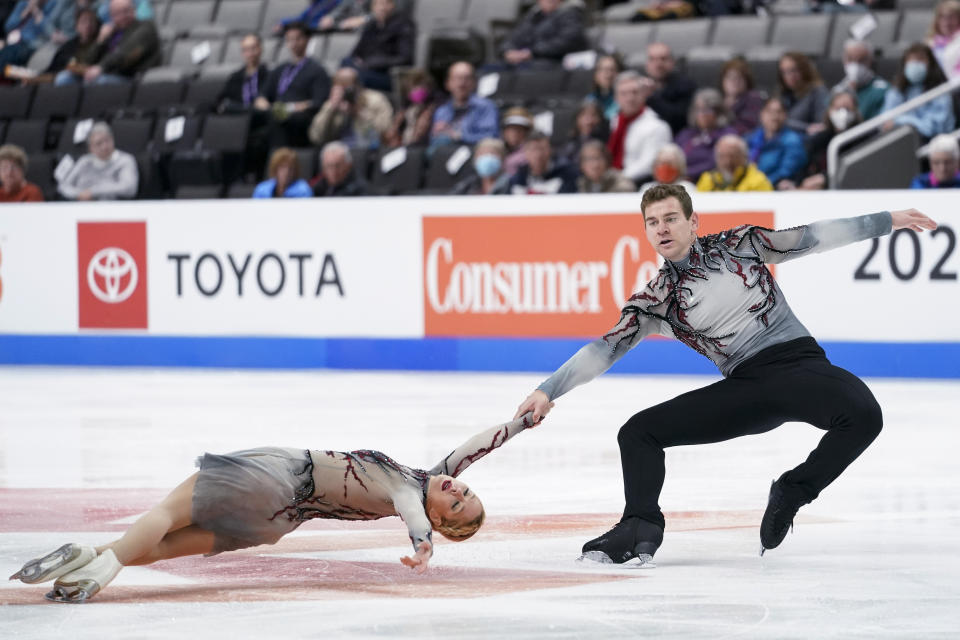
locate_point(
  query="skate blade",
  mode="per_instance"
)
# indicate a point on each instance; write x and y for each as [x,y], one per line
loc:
[73,593]
[646,562]
[40,569]
[596,556]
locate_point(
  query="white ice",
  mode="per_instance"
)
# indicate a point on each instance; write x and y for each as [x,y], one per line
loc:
[875,557]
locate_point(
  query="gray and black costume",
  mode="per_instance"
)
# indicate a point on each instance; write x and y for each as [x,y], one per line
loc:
[722,301]
[257,496]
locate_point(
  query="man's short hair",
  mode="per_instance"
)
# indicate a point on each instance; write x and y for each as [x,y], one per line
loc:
[297,25]
[733,138]
[626,76]
[337,146]
[945,143]
[100,127]
[660,192]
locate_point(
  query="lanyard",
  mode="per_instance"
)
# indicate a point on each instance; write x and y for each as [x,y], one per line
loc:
[286,78]
[250,87]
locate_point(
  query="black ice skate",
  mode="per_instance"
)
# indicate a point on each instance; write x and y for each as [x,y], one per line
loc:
[777,520]
[630,538]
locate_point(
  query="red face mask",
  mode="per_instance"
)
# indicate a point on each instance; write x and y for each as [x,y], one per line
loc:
[665,173]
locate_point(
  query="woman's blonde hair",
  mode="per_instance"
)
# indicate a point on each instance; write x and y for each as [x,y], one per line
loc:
[284,155]
[947,6]
[457,531]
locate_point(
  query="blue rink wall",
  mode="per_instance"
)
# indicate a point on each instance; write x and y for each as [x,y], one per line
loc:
[653,356]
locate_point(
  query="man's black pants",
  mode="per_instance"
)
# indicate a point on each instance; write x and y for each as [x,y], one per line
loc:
[788,382]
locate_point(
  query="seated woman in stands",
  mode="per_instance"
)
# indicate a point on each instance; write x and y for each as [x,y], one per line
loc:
[919,72]
[802,92]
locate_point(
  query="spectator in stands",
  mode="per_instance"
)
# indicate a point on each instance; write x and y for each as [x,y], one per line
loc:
[105,173]
[776,148]
[802,92]
[350,15]
[673,91]
[588,125]
[29,26]
[387,40]
[842,114]
[944,165]
[708,123]
[604,74]
[466,117]
[860,78]
[489,179]
[541,175]
[734,172]
[352,114]
[337,176]
[413,124]
[294,91]
[919,72]
[143,10]
[637,132]
[13,183]
[670,167]
[312,16]
[944,37]
[545,35]
[517,126]
[75,55]
[284,180]
[596,174]
[132,47]
[243,85]
[742,101]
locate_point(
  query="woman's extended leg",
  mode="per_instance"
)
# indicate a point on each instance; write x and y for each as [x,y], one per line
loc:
[188,541]
[146,534]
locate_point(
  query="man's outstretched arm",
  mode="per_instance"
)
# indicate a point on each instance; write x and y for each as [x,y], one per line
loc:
[780,246]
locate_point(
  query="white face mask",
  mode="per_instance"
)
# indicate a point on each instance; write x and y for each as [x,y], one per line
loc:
[841,118]
[856,73]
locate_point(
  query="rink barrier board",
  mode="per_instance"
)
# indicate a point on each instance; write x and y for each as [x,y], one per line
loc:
[654,356]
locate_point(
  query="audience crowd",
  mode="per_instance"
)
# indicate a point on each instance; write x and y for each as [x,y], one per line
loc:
[632,129]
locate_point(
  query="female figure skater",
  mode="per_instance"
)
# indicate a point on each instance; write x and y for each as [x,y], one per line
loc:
[253,497]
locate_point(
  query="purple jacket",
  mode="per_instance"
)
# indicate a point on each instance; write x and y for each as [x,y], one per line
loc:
[697,146]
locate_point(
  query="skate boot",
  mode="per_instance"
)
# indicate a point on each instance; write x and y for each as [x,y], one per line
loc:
[55,564]
[777,520]
[630,538]
[87,581]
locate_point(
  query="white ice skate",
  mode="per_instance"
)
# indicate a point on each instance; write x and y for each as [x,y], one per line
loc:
[87,581]
[67,558]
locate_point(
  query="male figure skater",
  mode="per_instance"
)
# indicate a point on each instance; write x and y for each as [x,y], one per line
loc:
[716,295]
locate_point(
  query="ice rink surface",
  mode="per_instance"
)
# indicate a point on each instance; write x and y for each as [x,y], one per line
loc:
[83,451]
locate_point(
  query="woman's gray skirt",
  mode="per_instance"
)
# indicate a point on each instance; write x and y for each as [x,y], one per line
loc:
[248,498]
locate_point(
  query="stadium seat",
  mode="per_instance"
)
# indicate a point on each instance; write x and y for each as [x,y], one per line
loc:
[277,10]
[740,32]
[438,177]
[623,12]
[233,55]
[198,192]
[41,58]
[184,14]
[339,46]
[40,168]
[15,101]
[804,33]
[240,190]
[683,35]
[188,140]
[100,99]
[405,178]
[426,14]
[29,135]
[480,13]
[880,38]
[218,157]
[202,93]
[3,131]
[182,53]
[150,186]
[914,25]
[627,39]
[156,96]
[240,16]
[55,102]
[67,144]
[132,135]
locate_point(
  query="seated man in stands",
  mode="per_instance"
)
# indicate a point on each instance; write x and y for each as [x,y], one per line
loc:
[352,114]
[243,85]
[387,40]
[465,117]
[860,79]
[13,183]
[673,91]
[734,172]
[541,175]
[106,173]
[294,91]
[637,133]
[545,35]
[944,165]
[132,47]
[350,15]
[337,177]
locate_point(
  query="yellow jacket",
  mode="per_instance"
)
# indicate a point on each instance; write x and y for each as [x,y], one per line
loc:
[749,179]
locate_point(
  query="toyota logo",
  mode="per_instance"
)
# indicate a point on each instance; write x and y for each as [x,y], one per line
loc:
[106,274]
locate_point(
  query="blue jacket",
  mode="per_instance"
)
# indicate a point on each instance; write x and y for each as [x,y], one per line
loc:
[312,15]
[480,121]
[32,34]
[929,119]
[299,189]
[783,156]
[926,181]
